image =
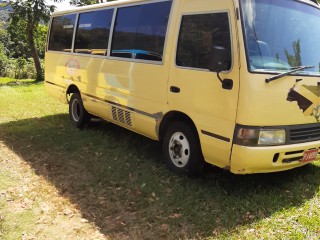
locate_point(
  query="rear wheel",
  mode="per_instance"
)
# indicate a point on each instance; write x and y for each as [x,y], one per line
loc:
[77,113]
[181,149]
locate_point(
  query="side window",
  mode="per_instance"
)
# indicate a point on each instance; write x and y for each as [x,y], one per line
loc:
[61,33]
[93,32]
[140,31]
[198,34]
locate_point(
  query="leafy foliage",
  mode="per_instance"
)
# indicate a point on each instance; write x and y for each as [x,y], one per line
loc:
[294,60]
[4,37]
[19,68]
[3,58]
[34,10]
[15,57]
[87,2]
[31,13]
[19,47]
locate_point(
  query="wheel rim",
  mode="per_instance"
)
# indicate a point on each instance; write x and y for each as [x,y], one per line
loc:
[75,110]
[179,149]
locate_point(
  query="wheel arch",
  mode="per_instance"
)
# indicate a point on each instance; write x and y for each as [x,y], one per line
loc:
[72,89]
[174,116]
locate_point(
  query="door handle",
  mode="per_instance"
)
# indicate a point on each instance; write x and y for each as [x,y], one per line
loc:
[174,89]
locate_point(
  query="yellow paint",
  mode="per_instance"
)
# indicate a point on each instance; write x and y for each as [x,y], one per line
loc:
[143,90]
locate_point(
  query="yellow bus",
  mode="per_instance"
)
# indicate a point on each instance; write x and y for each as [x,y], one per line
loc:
[232,83]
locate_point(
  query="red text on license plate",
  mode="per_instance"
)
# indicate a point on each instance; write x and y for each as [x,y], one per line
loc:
[309,155]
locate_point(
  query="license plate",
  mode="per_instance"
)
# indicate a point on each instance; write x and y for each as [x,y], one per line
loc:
[309,156]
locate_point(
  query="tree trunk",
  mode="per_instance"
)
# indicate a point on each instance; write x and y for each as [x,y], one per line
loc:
[34,52]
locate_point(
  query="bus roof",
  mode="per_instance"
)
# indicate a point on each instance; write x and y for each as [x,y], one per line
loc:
[124,2]
[98,6]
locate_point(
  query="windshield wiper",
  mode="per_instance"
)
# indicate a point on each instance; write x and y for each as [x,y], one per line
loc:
[287,73]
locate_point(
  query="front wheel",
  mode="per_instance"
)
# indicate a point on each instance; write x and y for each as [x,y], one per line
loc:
[181,149]
[77,113]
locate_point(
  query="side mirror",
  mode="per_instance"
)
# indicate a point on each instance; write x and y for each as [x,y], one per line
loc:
[227,84]
[219,63]
[219,59]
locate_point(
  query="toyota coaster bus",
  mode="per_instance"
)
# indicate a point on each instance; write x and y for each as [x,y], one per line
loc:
[232,83]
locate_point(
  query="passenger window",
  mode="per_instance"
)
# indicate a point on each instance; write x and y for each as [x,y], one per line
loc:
[122,54]
[198,34]
[62,33]
[93,32]
[140,31]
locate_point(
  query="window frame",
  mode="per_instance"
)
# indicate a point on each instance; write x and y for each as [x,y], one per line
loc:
[73,53]
[50,31]
[48,34]
[165,40]
[179,32]
[112,27]
[111,30]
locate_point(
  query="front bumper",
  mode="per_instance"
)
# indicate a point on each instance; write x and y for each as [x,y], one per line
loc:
[246,160]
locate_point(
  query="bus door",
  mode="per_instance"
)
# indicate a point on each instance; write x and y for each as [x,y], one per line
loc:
[206,25]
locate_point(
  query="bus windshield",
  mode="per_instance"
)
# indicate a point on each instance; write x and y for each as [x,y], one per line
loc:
[281,35]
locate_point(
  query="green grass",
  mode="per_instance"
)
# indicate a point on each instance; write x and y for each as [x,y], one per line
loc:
[117,181]
[14,82]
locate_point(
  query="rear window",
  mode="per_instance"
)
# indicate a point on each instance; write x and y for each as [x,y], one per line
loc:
[61,33]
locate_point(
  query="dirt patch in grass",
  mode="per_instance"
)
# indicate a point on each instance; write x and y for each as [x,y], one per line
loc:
[31,207]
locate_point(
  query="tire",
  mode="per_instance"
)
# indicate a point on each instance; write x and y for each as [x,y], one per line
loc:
[181,149]
[77,113]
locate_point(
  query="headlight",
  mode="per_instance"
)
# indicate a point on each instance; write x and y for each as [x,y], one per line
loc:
[260,136]
[272,137]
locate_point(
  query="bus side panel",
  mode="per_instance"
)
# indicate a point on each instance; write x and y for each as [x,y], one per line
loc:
[139,89]
[55,75]
[211,107]
[93,94]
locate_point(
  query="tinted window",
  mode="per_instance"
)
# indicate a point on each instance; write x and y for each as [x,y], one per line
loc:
[122,54]
[140,30]
[62,33]
[198,35]
[151,57]
[93,32]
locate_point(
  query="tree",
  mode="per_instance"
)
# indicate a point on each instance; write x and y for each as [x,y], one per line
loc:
[294,60]
[31,13]
[19,47]
[3,58]
[88,2]
[85,2]
[4,38]
[41,38]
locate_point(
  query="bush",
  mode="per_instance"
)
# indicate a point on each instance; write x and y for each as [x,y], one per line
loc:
[19,68]
[3,60]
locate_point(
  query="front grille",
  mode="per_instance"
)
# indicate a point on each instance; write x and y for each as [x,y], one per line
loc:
[291,157]
[304,133]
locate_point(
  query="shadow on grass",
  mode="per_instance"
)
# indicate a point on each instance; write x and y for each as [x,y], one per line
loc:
[118,182]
